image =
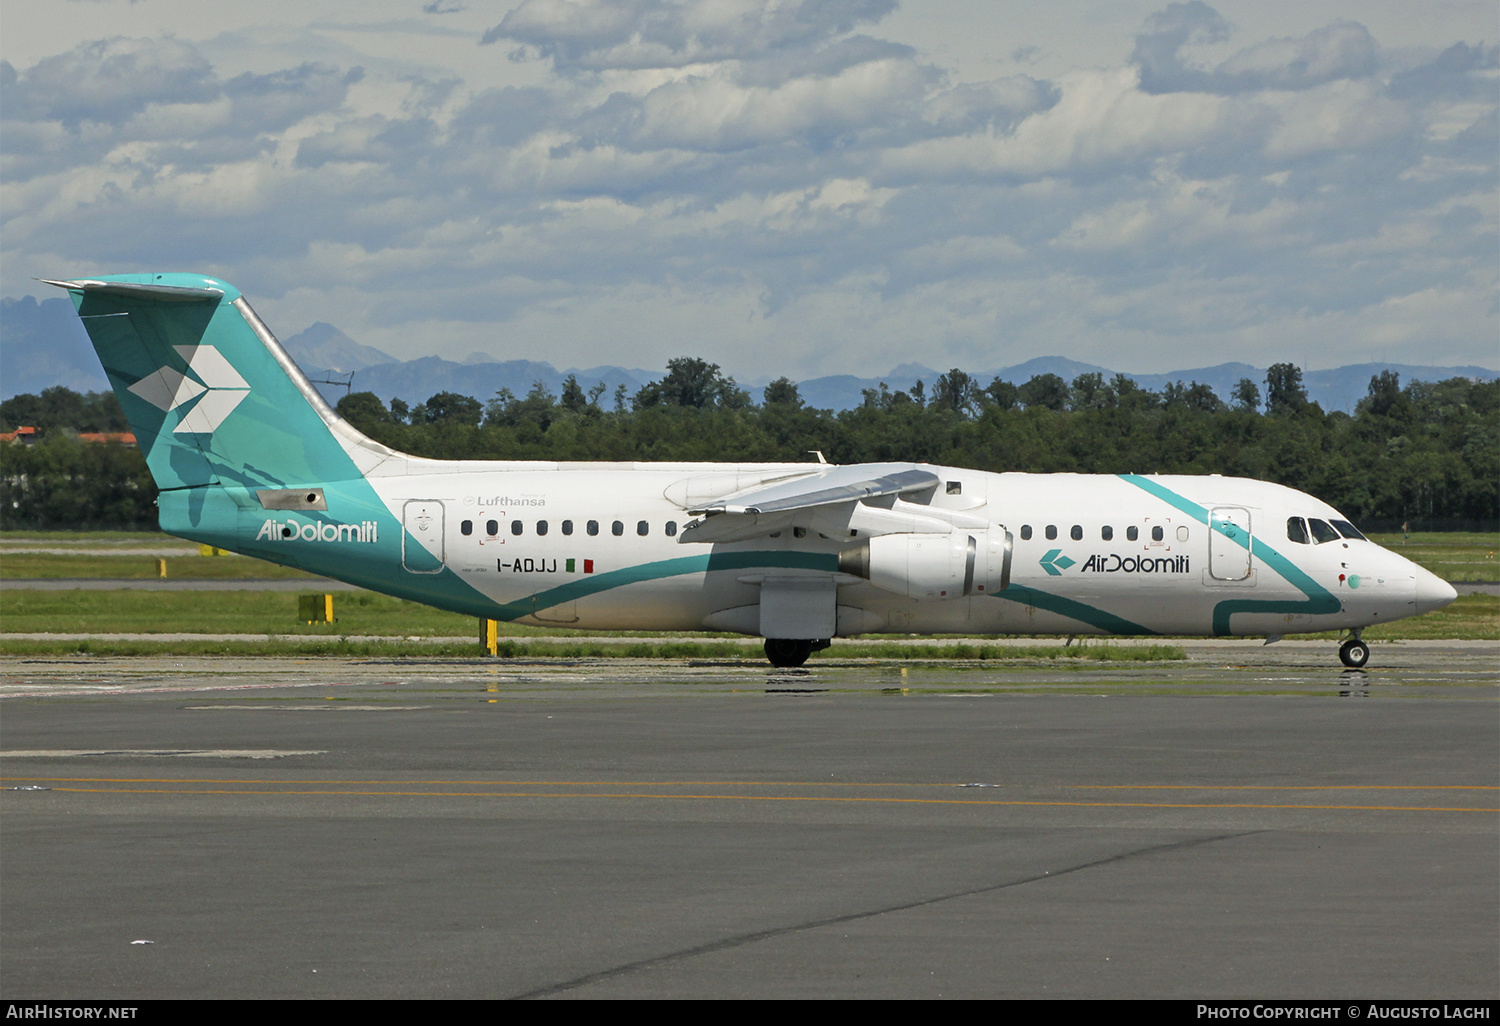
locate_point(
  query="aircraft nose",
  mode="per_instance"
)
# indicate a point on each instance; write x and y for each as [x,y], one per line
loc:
[1433,592]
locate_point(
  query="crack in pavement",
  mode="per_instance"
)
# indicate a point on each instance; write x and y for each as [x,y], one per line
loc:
[779,931]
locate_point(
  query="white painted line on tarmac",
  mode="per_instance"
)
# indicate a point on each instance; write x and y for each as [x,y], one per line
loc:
[158,753]
[324,706]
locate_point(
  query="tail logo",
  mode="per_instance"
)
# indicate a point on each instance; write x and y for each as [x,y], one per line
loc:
[210,380]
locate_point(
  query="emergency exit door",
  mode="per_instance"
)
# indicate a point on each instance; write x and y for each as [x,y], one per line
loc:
[422,540]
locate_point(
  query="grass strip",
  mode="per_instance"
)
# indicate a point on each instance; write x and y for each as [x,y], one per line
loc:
[1468,618]
[146,537]
[227,612]
[104,566]
[1471,617]
[1452,555]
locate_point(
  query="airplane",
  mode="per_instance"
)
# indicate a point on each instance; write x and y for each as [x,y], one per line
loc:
[250,458]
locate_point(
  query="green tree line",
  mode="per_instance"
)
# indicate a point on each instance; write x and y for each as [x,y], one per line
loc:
[1423,452]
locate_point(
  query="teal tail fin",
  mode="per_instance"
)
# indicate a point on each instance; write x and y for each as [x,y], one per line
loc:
[212,396]
[248,456]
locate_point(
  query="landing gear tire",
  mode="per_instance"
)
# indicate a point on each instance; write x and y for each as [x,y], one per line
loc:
[785,653]
[1354,653]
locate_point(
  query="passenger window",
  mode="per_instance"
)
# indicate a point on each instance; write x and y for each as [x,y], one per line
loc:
[1321,532]
[799,532]
[1182,533]
[1132,533]
[1051,532]
[1296,530]
[642,527]
[1026,532]
[567,527]
[515,527]
[1077,533]
[466,528]
[617,528]
[1107,533]
[671,529]
[1348,530]
[955,487]
[592,528]
[541,527]
[491,528]
[1157,534]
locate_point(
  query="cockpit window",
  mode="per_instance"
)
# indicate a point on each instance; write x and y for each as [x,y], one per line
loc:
[1321,532]
[1348,530]
[1296,530]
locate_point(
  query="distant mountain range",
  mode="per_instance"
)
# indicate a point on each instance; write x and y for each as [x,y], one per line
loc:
[327,355]
[43,344]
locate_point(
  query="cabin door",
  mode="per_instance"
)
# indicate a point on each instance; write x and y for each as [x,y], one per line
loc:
[1229,543]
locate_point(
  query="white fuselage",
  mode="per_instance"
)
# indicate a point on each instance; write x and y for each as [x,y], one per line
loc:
[248,456]
[614,549]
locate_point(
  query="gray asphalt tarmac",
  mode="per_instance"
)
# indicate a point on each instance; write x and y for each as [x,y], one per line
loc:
[1253,823]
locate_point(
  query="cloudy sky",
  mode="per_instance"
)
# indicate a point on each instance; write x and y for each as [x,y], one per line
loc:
[780,186]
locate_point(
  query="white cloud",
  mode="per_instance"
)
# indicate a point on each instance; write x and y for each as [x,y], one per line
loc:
[594,35]
[109,80]
[714,113]
[1344,49]
[1344,117]
[1101,118]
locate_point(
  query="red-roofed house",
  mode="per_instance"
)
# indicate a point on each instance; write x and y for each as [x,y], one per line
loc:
[102,437]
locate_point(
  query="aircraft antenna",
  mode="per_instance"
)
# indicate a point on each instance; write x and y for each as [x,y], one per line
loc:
[347,384]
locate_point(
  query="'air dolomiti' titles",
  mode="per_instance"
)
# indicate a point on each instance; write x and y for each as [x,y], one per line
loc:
[1114,563]
[291,530]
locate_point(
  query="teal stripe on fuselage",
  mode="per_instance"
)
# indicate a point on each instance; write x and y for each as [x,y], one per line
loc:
[753,560]
[1319,600]
[1079,611]
[593,584]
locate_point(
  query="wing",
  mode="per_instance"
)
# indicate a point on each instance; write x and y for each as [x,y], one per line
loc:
[834,502]
[829,487]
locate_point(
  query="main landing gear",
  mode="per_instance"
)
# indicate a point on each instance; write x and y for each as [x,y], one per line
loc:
[1354,653]
[789,652]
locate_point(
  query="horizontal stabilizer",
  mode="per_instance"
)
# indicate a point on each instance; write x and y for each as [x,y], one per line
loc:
[136,290]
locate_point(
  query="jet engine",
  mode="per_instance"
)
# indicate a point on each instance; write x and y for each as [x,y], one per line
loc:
[933,566]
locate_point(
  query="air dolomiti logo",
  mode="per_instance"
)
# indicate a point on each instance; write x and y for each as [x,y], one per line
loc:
[1113,563]
[291,530]
[1054,563]
[211,385]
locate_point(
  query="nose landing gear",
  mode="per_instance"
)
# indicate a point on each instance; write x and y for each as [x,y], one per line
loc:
[1354,653]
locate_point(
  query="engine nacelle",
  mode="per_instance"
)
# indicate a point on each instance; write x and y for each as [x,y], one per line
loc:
[933,565]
